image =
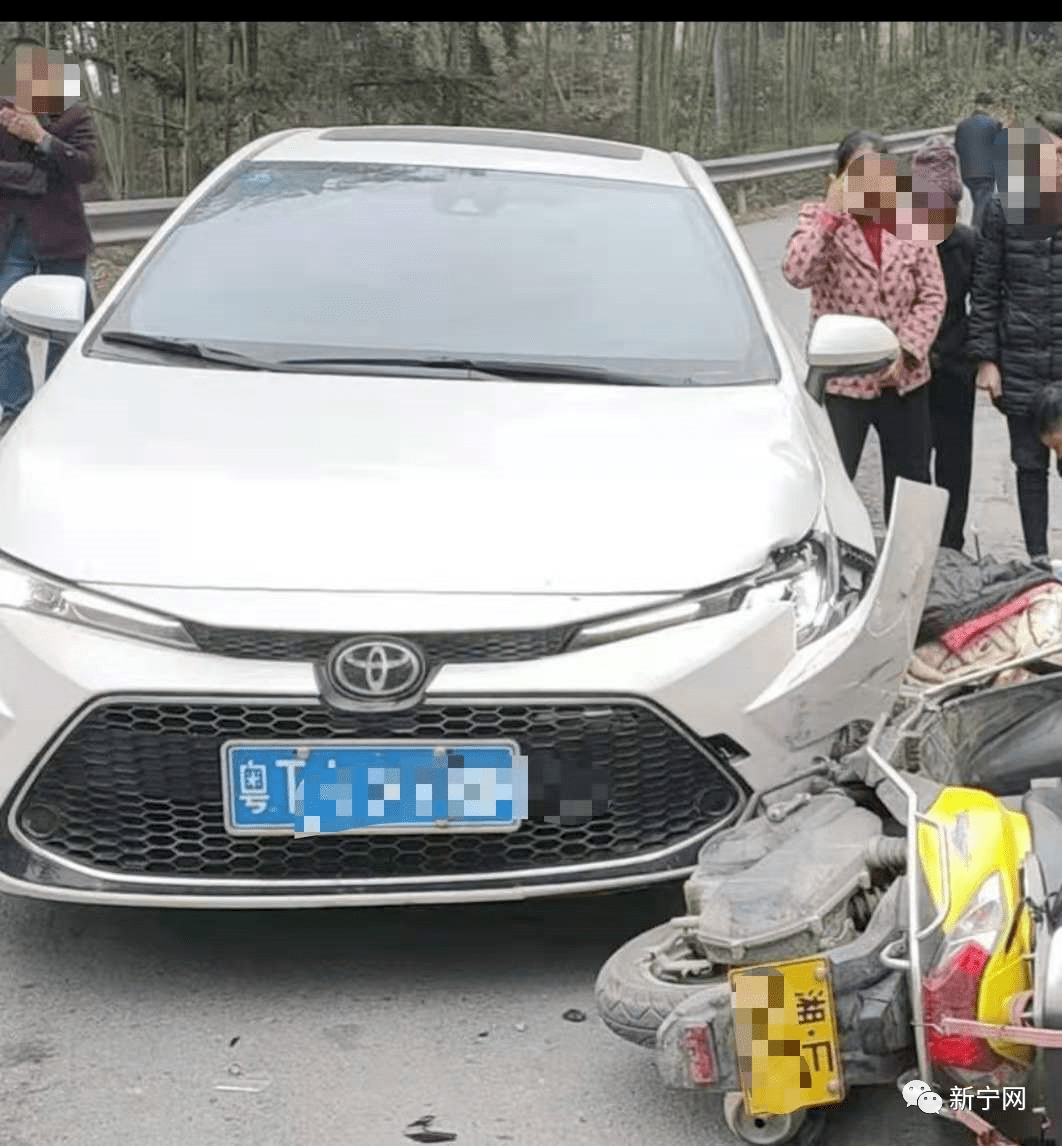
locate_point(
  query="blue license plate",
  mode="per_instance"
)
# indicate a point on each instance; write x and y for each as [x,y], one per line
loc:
[373,787]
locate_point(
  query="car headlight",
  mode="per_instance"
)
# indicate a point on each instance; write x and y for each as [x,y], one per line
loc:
[31,591]
[810,577]
[822,578]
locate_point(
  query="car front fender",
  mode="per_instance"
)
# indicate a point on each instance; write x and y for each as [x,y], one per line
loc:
[854,673]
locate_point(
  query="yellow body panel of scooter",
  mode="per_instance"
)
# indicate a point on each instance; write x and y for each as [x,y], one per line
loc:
[984,837]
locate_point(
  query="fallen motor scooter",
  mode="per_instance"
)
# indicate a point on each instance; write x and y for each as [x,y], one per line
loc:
[894,920]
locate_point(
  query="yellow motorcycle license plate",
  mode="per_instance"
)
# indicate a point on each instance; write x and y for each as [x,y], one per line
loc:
[785,1025]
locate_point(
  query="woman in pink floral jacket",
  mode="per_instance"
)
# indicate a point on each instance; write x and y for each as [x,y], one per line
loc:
[845,252]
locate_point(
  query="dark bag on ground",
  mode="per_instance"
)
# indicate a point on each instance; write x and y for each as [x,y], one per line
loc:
[962,589]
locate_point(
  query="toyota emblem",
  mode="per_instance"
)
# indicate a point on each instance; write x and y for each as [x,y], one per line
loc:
[377,669]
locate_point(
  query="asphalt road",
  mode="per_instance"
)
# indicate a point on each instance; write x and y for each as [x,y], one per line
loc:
[321,1027]
[343,1027]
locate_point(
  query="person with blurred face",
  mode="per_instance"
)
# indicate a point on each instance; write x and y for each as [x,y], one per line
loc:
[846,250]
[1048,412]
[952,394]
[1016,309]
[47,148]
[974,140]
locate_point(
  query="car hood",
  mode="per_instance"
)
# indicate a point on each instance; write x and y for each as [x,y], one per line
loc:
[133,474]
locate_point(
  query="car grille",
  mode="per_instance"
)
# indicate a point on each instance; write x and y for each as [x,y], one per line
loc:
[439,648]
[135,788]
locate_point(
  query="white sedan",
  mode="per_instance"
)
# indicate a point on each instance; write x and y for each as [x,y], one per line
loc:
[428,514]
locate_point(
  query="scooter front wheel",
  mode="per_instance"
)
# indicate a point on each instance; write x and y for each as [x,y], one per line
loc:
[802,1128]
[631,998]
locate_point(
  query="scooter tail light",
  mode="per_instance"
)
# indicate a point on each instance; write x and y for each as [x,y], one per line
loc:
[951,990]
[700,1055]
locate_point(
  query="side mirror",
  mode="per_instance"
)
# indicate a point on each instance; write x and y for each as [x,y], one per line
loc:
[842,344]
[46,306]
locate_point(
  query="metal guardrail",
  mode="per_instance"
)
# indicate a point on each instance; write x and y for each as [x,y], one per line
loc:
[136,220]
[744,168]
[127,220]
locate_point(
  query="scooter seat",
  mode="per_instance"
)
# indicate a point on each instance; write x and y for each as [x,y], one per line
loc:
[1043,806]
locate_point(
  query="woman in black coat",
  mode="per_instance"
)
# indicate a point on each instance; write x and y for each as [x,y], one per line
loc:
[1015,332]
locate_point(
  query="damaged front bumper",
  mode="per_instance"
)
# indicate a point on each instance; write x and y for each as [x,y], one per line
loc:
[854,673]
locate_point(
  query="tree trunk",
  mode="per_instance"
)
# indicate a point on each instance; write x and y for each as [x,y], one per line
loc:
[454,87]
[190,171]
[230,64]
[165,147]
[573,62]
[846,66]
[667,62]
[249,30]
[873,53]
[602,61]
[545,79]
[639,84]
[750,73]
[804,67]
[651,86]
[341,99]
[740,32]
[721,78]
[702,95]
[125,148]
[789,79]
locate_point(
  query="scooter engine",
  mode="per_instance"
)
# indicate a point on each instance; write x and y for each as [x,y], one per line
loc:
[773,889]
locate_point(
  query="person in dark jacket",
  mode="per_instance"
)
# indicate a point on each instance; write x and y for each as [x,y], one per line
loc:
[1016,312]
[974,138]
[952,392]
[47,148]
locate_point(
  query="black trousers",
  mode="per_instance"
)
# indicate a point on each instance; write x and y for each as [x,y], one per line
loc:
[904,432]
[952,398]
[1031,460]
[981,191]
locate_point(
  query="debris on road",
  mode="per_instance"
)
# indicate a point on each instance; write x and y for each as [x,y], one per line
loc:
[420,1131]
[234,1040]
[247,1086]
[574,1015]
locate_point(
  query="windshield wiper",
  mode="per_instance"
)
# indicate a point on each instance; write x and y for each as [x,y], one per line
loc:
[184,348]
[508,368]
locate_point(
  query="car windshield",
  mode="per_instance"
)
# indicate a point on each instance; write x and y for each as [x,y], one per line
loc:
[344,261]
